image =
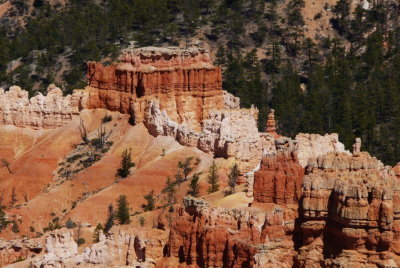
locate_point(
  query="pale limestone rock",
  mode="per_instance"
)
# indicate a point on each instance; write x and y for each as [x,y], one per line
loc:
[226,133]
[124,246]
[314,145]
[50,111]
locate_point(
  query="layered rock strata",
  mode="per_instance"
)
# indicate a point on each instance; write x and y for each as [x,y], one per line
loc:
[185,82]
[215,237]
[350,203]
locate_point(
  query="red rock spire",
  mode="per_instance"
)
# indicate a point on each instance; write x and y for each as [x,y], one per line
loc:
[271,125]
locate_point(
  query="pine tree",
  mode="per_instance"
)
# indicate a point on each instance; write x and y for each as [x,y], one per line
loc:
[150,201]
[220,56]
[194,187]
[126,164]
[96,233]
[233,177]
[213,179]
[169,191]
[122,213]
[186,167]
[3,221]
[110,219]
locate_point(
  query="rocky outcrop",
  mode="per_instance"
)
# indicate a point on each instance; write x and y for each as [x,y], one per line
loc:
[124,246]
[314,145]
[278,180]
[216,237]
[222,133]
[15,250]
[50,111]
[185,82]
[350,203]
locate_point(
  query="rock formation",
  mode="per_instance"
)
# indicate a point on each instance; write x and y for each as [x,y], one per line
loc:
[314,145]
[216,237]
[50,111]
[11,251]
[185,82]
[350,203]
[271,125]
[222,133]
[279,179]
[124,246]
[174,92]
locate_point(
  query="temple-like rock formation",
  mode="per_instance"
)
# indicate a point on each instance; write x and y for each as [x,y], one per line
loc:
[185,82]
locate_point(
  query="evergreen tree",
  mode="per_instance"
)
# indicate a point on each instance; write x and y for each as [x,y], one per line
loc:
[150,201]
[233,177]
[110,219]
[169,191]
[96,233]
[194,187]
[186,167]
[122,214]
[213,179]
[126,164]
[3,221]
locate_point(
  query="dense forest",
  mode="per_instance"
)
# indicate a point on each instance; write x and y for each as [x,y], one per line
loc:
[348,83]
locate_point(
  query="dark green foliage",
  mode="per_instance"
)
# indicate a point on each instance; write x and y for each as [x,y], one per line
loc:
[142,221]
[232,177]
[3,221]
[15,227]
[126,164]
[122,213]
[169,192]
[194,187]
[96,233]
[107,118]
[151,201]
[110,219]
[213,179]
[80,241]
[70,224]
[186,167]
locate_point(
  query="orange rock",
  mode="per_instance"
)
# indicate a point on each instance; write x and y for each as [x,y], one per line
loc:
[278,180]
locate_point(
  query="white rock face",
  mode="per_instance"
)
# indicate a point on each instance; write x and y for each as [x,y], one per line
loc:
[124,247]
[50,111]
[314,145]
[226,133]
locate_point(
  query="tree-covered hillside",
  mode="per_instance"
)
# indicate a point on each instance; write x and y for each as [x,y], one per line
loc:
[347,82]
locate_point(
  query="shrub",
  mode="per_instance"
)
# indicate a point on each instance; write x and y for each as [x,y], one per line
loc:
[70,224]
[142,221]
[106,119]
[81,241]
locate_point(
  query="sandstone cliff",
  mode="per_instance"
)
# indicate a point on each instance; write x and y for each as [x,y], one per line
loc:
[185,82]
